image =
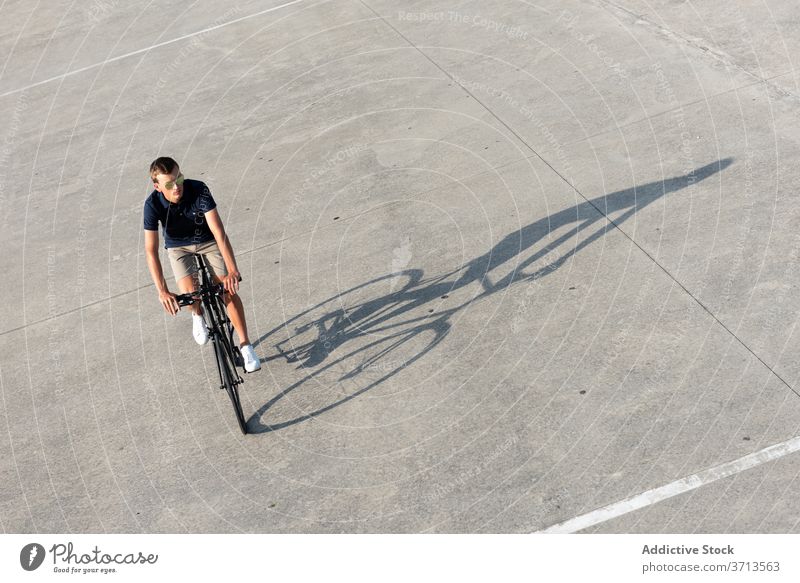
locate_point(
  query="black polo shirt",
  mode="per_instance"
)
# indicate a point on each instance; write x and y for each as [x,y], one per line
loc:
[184,223]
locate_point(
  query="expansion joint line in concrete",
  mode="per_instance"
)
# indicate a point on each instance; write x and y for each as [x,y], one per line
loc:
[579,193]
[700,46]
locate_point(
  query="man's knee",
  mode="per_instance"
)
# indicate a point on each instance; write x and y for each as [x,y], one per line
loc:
[228,298]
[187,284]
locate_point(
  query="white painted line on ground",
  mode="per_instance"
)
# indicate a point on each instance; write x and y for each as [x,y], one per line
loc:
[144,50]
[686,484]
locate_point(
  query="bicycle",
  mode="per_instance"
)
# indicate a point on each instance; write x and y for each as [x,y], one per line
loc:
[220,331]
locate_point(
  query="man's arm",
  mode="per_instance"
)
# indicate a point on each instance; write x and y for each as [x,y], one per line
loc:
[166,297]
[231,280]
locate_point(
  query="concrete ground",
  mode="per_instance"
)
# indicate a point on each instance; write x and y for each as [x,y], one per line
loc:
[510,266]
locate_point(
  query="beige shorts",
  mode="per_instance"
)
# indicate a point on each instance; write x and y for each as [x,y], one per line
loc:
[183,262]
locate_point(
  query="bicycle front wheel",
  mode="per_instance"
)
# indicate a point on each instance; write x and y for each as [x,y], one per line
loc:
[230,381]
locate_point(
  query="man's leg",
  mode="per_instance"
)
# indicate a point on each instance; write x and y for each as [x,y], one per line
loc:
[186,284]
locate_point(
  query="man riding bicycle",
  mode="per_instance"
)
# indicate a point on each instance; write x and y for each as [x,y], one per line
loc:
[191,224]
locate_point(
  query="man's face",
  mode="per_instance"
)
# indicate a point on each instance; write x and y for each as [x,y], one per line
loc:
[168,185]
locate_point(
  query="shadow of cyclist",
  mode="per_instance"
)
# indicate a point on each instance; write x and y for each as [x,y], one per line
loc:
[383,316]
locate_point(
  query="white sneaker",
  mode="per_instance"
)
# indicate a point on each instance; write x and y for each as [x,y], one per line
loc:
[251,361]
[199,330]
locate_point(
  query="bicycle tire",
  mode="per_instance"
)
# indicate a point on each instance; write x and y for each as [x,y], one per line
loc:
[230,384]
[223,351]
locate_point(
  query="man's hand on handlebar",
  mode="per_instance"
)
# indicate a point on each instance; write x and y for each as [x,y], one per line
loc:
[169,301]
[231,282]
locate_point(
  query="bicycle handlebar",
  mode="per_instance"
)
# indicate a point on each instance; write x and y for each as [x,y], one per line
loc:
[191,297]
